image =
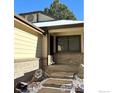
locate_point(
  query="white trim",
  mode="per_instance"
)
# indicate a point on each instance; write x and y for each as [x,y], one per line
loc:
[57,23]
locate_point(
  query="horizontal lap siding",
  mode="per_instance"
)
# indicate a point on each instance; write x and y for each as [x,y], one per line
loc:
[25,44]
[21,68]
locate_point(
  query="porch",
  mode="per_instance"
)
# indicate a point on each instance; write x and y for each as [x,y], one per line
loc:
[65,57]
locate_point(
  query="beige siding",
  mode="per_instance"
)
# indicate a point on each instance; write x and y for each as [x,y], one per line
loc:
[22,68]
[27,45]
[27,50]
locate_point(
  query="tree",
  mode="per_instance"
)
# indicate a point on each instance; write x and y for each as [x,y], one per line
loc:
[59,11]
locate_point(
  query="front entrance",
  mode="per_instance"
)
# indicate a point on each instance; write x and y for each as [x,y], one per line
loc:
[51,45]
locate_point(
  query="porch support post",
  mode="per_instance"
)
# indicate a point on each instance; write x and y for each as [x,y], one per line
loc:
[48,43]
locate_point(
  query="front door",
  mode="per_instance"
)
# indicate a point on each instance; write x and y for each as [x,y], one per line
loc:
[51,45]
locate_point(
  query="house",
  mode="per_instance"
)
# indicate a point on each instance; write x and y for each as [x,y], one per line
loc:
[55,46]
[67,32]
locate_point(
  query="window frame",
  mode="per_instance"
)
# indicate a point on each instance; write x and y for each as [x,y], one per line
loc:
[68,50]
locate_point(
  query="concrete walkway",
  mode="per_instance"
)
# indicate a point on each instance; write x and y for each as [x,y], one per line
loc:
[52,90]
[58,75]
[53,85]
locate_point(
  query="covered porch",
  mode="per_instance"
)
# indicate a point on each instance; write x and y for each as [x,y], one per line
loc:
[65,46]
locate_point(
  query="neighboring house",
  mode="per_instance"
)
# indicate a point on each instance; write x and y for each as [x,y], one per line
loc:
[36,16]
[27,48]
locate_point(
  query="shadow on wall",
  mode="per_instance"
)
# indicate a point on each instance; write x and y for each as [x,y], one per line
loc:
[39,51]
[25,78]
[39,46]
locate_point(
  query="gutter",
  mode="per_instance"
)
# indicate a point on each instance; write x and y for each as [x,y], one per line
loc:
[28,23]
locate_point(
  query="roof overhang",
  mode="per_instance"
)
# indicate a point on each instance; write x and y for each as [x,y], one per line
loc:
[21,20]
[59,23]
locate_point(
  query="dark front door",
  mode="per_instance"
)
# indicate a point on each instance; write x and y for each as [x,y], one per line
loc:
[51,45]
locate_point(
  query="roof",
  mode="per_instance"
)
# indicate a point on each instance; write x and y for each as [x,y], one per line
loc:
[33,12]
[28,23]
[57,23]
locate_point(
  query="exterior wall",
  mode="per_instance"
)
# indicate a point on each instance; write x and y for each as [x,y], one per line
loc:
[27,46]
[69,58]
[25,66]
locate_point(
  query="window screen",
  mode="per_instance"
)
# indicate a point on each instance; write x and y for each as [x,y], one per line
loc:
[62,44]
[68,44]
[74,43]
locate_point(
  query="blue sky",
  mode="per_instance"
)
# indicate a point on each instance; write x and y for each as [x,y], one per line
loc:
[22,6]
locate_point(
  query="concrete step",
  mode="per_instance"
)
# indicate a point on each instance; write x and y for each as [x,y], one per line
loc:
[52,90]
[63,68]
[56,82]
[53,85]
[64,75]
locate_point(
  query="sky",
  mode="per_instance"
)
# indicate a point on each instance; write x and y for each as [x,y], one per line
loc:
[22,6]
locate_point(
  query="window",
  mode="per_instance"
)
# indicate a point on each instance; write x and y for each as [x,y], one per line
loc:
[68,44]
